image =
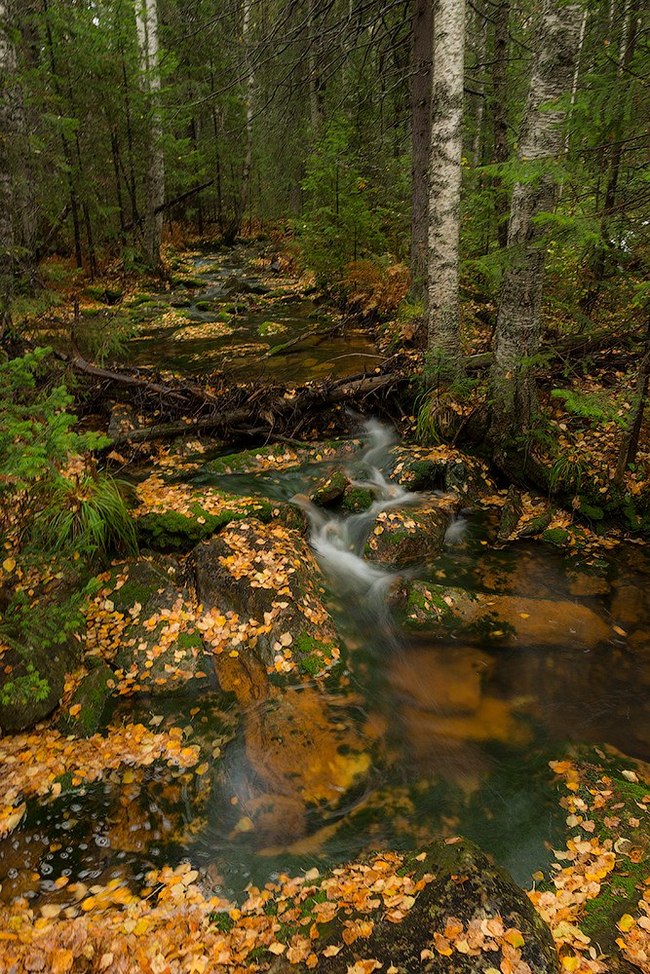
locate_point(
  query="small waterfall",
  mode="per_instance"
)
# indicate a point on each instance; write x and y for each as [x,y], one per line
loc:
[339,542]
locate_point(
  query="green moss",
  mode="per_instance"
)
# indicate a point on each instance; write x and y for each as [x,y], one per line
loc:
[357,499]
[222,921]
[203,305]
[270,328]
[556,536]
[172,531]
[310,653]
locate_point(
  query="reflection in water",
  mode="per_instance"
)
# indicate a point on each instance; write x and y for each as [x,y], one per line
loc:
[418,737]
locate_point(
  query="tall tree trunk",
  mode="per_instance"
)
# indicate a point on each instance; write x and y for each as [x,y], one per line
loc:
[619,110]
[630,442]
[421,51]
[7,243]
[241,198]
[314,57]
[443,348]
[518,328]
[147,26]
[500,150]
[481,45]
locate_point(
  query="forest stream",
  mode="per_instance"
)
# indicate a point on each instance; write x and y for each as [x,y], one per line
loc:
[420,731]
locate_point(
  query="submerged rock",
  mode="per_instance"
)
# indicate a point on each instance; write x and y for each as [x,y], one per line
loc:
[502,619]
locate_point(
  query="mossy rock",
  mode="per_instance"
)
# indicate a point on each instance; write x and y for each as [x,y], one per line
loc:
[150,656]
[32,682]
[94,696]
[357,499]
[441,468]
[271,328]
[502,620]
[265,580]
[330,491]
[203,305]
[409,536]
[466,886]
[175,531]
[556,536]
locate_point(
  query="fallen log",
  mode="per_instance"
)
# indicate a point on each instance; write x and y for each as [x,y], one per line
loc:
[570,345]
[264,417]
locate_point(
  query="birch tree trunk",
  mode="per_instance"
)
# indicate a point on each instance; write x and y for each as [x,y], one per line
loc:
[147,26]
[421,51]
[443,348]
[518,329]
[7,243]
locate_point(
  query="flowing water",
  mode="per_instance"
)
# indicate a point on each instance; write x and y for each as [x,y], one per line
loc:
[234,310]
[452,735]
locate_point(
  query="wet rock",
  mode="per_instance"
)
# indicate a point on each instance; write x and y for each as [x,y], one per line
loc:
[266,589]
[157,649]
[280,456]
[502,619]
[405,537]
[468,898]
[441,468]
[176,517]
[94,697]
[32,679]
[331,491]
[357,499]
[523,516]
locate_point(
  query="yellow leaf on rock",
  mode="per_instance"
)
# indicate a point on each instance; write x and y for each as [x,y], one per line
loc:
[277,947]
[626,923]
[9,564]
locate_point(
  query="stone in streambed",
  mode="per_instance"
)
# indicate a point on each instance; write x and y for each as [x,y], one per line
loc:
[413,534]
[263,591]
[94,697]
[142,624]
[32,679]
[502,619]
[467,916]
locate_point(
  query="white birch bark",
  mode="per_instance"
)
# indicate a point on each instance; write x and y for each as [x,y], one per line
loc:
[147,27]
[519,316]
[7,242]
[445,185]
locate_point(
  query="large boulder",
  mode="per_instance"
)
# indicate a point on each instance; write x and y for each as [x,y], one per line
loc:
[32,680]
[462,915]
[175,517]
[441,468]
[143,624]
[262,592]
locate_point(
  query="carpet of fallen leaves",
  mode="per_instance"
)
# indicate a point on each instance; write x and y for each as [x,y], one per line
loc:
[582,870]
[177,927]
[31,764]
